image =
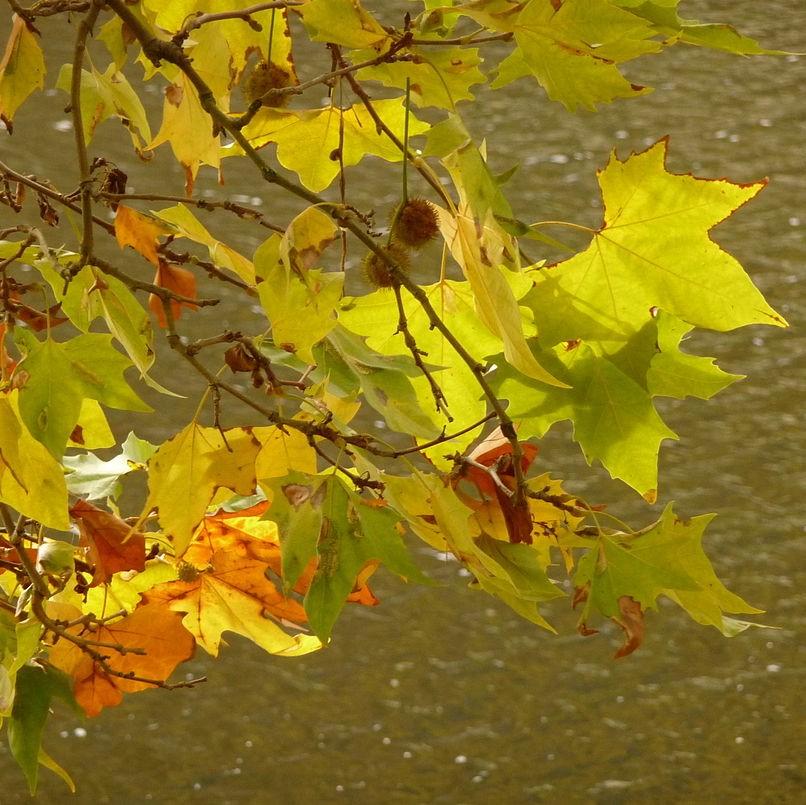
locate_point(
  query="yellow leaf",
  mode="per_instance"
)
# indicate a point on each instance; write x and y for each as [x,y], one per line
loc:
[186,471]
[189,130]
[478,250]
[31,480]
[22,69]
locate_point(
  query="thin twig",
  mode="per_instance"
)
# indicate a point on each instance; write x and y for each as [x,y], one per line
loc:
[199,18]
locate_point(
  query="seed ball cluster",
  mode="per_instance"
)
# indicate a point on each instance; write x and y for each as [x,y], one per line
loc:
[267,76]
[416,223]
[376,271]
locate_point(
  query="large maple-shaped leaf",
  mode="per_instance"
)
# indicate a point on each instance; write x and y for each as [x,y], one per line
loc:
[185,472]
[112,544]
[153,628]
[60,375]
[664,559]
[653,251]
[306,140]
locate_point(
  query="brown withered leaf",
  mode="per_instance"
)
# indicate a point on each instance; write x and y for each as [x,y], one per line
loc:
[631,620]
[151,627]
[239,360]
[112,544]
[176,279]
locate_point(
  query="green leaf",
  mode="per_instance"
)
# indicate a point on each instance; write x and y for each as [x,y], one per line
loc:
[665,559]
[94,479]
[638,261]
[22,69]
[383,380]
[674,373]
[375,317]
[438,76]
[307,140]
[573,51]
[104,95]
[60,375]
[344,531]
[36,687]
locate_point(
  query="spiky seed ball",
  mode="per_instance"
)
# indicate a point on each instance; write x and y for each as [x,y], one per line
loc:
[266,76]
[377,271]
[416,223]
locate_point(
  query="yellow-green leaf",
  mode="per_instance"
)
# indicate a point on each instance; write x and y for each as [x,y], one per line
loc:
[22,69]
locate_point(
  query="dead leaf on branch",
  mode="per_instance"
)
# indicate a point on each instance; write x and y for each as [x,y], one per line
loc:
[179,281]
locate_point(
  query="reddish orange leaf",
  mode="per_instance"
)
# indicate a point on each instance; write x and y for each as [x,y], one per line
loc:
[112,544]
[151,627]
[7,363]
[176,279]
[139,231]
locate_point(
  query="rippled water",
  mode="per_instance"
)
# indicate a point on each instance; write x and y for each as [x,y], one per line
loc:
[443,695]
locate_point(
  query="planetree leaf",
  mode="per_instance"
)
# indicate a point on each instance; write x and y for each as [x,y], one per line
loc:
[224,586]
[383,379]
[344,22]
[35,689]
[188,226]
[92,478]
[480,258]
[674,373]
[186,126]
[346,534]
[92,294]
[60,375]
[22,69]
[637,260]
[104,95]
[375,316]
[153,628]
[307,140]
[176,279]
[31,480]
[92,430]
[112,544]
[185,472]
[614,419]
[140,231]
[300,305]
[438,76]
[664,559]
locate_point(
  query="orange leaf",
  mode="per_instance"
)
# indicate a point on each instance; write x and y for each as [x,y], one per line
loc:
[178,280]
[113,545]
[151,627]
[139,231]
[7,363]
